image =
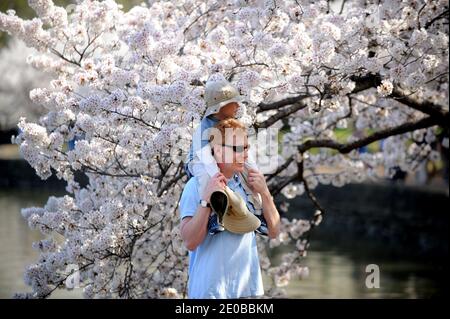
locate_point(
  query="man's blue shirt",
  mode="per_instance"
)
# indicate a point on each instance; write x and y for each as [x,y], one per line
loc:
[224,265]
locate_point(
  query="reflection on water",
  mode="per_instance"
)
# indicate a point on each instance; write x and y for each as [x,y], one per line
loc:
[333,273]
[16,239]
[339,273]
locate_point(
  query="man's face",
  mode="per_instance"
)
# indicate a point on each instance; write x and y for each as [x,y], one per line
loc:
[229,110]
[234,153]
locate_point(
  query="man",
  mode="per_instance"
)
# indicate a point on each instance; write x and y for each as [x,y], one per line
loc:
[225,265]
[222,100]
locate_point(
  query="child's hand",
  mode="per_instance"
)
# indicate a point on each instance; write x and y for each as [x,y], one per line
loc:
[257,181]
[218,181]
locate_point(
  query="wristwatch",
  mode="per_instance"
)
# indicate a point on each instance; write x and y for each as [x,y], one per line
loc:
[204,203]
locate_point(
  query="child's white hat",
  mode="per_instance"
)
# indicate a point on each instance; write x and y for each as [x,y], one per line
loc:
[219,93]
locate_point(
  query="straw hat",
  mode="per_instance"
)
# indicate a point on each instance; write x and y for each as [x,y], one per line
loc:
[237,218]
[219,93]
[219,203]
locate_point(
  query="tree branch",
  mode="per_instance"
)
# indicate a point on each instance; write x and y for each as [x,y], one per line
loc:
[431,109]
[276,188]
[372,81]
[361,84]
[276,105]
[281,114]
[365,82]
[440,16]
[342,7]
[280,168]
[346,148]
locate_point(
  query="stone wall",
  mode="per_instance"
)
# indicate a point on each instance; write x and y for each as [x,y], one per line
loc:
[394,217]
[19,174]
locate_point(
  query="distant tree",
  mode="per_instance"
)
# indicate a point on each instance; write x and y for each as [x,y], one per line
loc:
[18,79]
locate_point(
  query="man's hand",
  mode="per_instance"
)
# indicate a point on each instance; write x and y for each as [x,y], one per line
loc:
[257,182]
[218,181]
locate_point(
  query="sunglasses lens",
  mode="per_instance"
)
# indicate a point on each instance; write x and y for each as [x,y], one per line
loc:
[238,148]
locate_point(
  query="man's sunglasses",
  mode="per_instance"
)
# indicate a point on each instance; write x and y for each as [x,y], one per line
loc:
[238,148]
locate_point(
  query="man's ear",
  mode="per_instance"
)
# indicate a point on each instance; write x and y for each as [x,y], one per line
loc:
[217,152]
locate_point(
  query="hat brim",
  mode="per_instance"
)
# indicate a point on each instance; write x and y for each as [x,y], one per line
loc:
[215,108]
[219,202]
[241,225]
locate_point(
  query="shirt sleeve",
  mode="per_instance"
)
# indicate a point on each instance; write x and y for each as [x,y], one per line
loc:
[189,199]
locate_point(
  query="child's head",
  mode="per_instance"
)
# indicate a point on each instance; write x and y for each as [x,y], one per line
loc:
[222,98]
[228,110]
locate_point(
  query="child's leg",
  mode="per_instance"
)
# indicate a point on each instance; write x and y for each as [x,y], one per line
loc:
[204,167]
[200,170]
[203,179]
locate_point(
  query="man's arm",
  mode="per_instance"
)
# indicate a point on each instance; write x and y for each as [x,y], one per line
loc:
[271,214]
[257,182]
[193,229]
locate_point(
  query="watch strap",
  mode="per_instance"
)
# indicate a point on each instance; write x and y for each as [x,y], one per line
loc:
[202,203]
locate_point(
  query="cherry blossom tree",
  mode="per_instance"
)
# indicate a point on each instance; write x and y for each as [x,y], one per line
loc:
[132,83]
[17,81]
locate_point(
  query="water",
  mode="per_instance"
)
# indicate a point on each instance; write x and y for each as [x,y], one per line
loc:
[340,273]
[16,239]
[334,272]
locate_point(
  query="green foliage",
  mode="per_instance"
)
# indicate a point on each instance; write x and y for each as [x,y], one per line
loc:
[342,134]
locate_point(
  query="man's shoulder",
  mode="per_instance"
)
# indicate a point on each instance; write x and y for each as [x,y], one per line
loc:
[189,199]
[191,185]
